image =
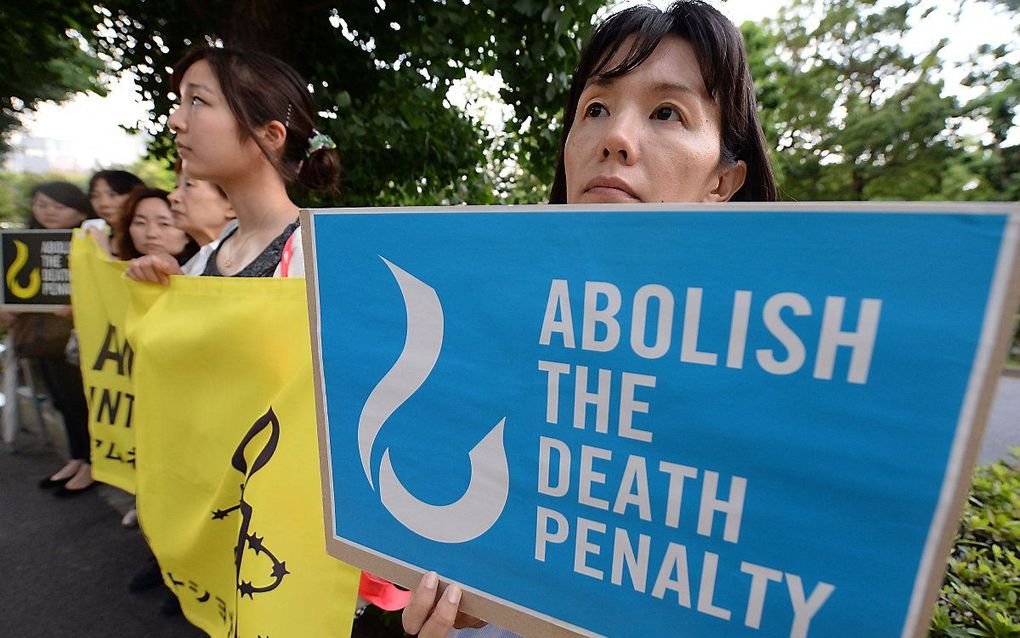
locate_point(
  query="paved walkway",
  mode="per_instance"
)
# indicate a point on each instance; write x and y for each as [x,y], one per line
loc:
[65,563]
[1003,430]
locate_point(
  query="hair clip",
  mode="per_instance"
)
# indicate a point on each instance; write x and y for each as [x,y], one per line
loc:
[286,122]
[319,141]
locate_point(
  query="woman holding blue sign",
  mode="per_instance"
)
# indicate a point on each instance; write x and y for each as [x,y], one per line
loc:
[661,109]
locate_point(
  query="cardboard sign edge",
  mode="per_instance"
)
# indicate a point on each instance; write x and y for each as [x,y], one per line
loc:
[993,345]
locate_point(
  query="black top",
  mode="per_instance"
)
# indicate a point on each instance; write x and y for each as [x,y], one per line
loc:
[190,249]
[262,266]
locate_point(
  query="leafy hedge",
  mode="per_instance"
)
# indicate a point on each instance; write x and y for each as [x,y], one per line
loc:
[981,594]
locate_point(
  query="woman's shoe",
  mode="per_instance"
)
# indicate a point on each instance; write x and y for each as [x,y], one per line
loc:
[74,466]
[50,483]
[64,492]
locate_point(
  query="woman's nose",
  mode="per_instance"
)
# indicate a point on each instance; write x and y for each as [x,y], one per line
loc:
[176,120]
[621,139]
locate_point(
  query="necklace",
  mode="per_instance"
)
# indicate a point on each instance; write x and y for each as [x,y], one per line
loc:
[235,251]
[228,260]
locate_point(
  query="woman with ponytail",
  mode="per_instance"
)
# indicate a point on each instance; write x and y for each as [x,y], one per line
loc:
[662,108]
[245,123]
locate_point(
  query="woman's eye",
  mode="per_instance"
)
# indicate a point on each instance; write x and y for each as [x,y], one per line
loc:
[195,101]
[596,110]
[666,113]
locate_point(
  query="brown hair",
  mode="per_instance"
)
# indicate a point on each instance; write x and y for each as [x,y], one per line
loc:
[120,182]
[123,245]
[723,64]
[64,193]
[259,89]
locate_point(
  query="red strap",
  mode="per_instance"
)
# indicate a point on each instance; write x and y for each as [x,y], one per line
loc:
[288,254]
[381,593]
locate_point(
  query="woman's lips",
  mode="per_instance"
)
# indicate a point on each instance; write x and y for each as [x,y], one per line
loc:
[610,189]
[606,194]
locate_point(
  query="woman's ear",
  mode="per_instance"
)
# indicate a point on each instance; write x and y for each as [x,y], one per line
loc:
[274,135]
[728,182]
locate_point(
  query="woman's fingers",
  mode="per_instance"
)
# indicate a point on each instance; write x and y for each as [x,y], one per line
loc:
[167,266]
[153,268]
[423,598]
[136,270]
[428,617]
[443,615]
[140,270]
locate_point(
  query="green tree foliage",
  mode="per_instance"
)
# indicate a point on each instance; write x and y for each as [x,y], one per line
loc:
[40,61]
[157,173]
[995,71]
[853,115]
[381,71]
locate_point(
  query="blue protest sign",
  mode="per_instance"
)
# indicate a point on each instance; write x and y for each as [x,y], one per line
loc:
[730,421]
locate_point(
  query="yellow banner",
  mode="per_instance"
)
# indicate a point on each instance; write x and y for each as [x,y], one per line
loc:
[99,300]
[229,493]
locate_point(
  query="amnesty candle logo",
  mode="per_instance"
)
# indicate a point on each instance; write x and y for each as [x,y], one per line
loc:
[34,280]
[482,503]
[246,537]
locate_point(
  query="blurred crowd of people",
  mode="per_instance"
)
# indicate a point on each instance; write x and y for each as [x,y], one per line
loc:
[129,219]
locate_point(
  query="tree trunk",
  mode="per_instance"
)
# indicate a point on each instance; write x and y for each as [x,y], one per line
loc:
[857,185]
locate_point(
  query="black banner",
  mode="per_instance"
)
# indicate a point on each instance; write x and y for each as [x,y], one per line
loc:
[36,273]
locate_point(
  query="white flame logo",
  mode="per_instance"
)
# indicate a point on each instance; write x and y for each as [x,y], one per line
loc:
[480,506]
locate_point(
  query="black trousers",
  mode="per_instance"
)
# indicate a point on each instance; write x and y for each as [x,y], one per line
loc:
[63,381]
